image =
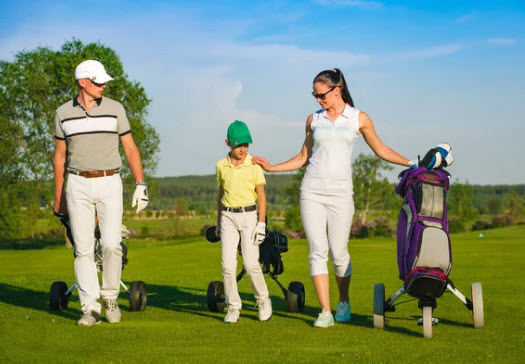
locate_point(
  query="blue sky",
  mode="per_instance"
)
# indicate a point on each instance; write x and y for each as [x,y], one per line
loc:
[425,71]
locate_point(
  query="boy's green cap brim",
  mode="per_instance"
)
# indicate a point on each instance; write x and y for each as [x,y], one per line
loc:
[238,133]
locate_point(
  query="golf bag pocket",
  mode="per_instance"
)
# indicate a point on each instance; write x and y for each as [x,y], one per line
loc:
[425,282]
[433,248]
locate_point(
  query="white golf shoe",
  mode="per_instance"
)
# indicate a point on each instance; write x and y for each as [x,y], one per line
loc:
[112,311]
[325,319]
[232,316]
[89,318]
[265,309]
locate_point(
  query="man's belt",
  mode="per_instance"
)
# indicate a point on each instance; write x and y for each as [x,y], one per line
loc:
[94,174]
[240,209]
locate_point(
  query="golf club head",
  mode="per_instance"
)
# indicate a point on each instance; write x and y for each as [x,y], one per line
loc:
[210,234]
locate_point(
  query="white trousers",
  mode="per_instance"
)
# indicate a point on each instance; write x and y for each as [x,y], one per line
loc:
[88,198]
[327,220]
[235,226]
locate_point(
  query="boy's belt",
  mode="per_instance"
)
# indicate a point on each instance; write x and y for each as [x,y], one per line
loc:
[240,209]
[94,174]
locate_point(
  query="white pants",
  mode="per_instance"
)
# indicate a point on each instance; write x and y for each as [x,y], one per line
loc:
[327,220]
[88,198]
[235,225]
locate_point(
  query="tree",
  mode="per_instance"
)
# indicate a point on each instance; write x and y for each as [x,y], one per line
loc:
[371,190]
[181,207]
[292,215]
[514,203]
[38,81]
[461,202]
[32,86]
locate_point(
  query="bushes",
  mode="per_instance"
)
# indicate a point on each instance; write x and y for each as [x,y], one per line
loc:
[496,222]
[456,225]
[380,227]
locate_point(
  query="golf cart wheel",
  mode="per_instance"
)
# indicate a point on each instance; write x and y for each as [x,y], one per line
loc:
[57,296]
[138,296]
[295,296]
[476,297]
[215,297]
[379,306]
[427,321]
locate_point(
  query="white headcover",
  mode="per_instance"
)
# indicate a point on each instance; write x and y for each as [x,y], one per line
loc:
[445,152]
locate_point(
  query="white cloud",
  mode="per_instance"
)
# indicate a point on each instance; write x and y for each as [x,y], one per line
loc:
[465,18]
[363,4]
[431,52]
[502,41]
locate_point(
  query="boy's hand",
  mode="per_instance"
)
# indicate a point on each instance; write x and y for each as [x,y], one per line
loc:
[259,233]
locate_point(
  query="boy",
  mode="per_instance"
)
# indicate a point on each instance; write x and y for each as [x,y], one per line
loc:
[241,184]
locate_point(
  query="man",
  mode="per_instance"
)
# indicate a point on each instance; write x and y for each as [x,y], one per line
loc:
[87,133]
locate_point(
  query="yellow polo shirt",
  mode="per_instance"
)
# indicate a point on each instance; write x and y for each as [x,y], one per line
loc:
[238,182]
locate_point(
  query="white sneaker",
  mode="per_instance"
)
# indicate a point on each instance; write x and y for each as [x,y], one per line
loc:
[112,311]
[265,309]
[89,318]
[325,319]
[232,316]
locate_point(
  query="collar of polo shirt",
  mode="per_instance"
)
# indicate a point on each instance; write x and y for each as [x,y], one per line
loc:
[247,161]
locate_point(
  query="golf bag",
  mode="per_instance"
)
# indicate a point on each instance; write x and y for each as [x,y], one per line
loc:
[270,251]
[424,254]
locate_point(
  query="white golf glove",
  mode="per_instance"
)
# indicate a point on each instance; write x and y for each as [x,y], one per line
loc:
[413,163]
[259,233]
[140,197]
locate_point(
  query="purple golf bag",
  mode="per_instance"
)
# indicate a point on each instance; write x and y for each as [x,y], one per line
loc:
[424,256]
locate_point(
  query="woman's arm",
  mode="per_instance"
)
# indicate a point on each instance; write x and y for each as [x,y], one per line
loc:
[298,161]
[366,126]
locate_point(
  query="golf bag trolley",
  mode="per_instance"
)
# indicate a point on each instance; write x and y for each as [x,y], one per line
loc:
[270,251]
[424,254]
[59,292]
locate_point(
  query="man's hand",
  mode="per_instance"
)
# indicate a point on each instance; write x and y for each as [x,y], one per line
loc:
[259,233]
[140,198]
[60,203]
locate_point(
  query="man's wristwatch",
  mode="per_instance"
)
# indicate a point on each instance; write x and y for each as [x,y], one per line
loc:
[141,183]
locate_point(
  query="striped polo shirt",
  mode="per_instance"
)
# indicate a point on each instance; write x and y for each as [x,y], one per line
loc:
[92,138]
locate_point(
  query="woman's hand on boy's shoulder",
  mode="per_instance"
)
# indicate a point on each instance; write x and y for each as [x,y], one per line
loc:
[262,162]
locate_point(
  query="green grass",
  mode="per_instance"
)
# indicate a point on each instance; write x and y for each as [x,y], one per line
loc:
[176,327]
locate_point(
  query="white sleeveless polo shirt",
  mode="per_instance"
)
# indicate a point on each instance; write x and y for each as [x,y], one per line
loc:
[329,170]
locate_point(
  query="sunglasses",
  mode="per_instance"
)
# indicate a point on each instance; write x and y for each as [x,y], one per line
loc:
[323,96]
[97,84]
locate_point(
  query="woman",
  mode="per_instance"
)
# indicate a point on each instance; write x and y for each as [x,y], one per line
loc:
[327,205]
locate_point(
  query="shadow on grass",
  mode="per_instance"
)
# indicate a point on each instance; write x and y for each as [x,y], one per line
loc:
[193,300]
[35,300]
[31,244]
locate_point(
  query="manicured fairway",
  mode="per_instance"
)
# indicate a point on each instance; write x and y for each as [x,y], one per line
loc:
[176,327]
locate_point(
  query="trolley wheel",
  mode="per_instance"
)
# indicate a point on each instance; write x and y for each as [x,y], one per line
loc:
[57,296]
[138,296]
[215,297]
[379,306]
[476,297]
[295,296]
[427,321]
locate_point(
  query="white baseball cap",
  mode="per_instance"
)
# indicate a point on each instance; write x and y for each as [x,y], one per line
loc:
[94,70]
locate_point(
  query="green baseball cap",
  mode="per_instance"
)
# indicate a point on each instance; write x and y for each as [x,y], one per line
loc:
[238,133]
